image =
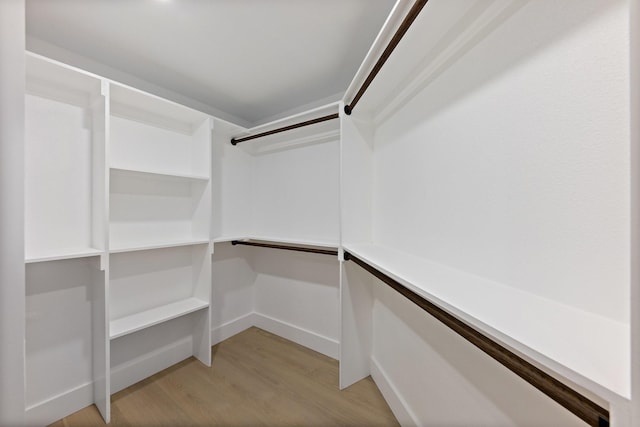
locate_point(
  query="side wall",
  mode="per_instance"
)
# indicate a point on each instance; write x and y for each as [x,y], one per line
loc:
[431,376]
[513,163]
[12,273]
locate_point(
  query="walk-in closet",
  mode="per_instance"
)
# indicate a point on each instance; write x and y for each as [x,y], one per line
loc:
[429,208]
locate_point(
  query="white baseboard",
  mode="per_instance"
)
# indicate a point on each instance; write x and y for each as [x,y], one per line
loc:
[135,370]
[403,413]
[231,328]
[314,341]
[59,406]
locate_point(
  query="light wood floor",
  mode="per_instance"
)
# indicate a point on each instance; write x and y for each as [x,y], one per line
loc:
[256,378]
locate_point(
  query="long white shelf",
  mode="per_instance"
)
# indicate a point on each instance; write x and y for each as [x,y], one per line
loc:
[131,247]
[125,170]
[145,319]
[588,349]
[60,254]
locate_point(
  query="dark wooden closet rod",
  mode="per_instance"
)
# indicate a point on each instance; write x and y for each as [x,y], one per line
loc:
[579,405]
[313,250]
[400,32]
[234,141]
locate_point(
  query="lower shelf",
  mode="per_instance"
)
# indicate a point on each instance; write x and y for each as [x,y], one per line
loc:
[586,348]
[138,321]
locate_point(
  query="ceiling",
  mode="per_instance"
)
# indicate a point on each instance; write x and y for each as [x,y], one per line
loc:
[252,60]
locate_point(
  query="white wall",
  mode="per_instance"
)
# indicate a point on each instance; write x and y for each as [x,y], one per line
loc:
[232,295]
[635,207]
[232,182]
[513,164]
[294,295]
[297,296]
[442,380]
[295,192]
[12,275]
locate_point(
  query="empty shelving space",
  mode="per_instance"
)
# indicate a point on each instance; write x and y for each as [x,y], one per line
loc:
[64,162]
[63,311]
[152,290]
[148,210]
[150,134]
[282,187]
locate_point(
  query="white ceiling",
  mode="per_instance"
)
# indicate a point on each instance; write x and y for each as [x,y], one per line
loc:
[253,59]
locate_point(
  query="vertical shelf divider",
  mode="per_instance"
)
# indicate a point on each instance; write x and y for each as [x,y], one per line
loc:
[100,235]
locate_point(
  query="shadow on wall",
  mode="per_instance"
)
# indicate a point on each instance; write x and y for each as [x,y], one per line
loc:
[454,382]
[304,267]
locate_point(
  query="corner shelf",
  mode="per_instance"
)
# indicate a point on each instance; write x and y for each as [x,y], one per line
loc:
[145,319]
[60,254]
[588,349]
[293,241]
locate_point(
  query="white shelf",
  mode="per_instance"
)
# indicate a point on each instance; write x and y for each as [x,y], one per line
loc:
[134,104]
[444,31]
[294,241]
[62,253]
[159,173]
[588,349]
[301,242]
[119,248]
[136,322]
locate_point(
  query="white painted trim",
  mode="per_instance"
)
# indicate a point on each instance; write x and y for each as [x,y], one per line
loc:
[60,406]
[231,328]
[397,403]
[320,343]
[151,363]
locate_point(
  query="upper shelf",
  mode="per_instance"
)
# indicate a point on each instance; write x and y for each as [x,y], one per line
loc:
[588,349]
[441,33]
[59,82]
[132,104]
[328,244]
[315,133]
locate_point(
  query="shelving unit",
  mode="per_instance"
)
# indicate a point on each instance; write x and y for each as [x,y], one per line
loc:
[126,236]
[504,313]
[159,229]
[160,189]
[478,191]
[65,236]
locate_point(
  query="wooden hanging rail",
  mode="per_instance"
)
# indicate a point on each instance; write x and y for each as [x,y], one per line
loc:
[579,405]
[288,247]
[235,141]
[400,32]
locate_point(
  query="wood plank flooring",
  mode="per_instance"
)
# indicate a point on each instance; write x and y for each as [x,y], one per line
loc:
[257,379]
